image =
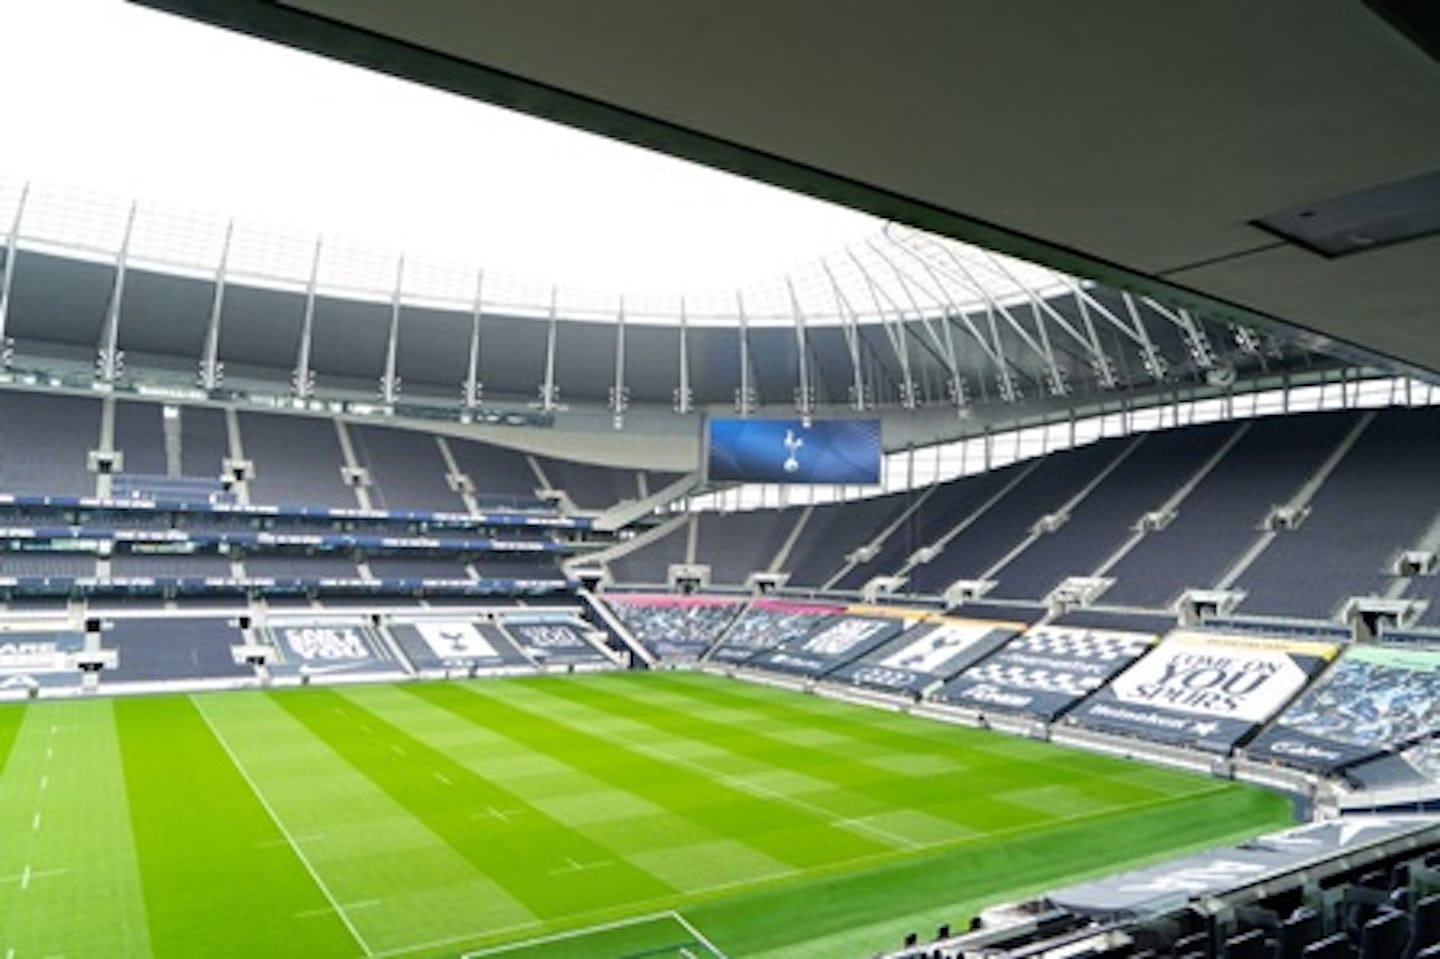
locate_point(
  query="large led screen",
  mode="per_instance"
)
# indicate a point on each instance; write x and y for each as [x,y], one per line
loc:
[789,451]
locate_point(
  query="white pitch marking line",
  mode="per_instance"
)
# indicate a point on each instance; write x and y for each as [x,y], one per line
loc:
[25,878]
[44,782]
[444,778]
[49,751]
[699,936]
[563,936]
[299,853]
[397,749]
[35,823]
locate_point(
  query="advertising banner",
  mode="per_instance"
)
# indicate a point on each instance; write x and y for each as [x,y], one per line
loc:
[926,654]
[1046,671]
[1375,698]
[37,653]
[834,643]
[769,623]
[1205,689]
[554,642]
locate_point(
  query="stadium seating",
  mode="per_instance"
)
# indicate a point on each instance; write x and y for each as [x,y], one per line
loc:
[407,471]
[174,648]
[282,478]
[734,545]
[44,443]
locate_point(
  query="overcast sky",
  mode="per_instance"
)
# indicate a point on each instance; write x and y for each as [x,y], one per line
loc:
[118,99]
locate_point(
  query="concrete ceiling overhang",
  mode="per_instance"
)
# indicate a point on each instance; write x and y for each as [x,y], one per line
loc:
[1126,140]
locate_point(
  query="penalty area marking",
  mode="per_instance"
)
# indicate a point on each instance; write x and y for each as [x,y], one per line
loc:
[603,927]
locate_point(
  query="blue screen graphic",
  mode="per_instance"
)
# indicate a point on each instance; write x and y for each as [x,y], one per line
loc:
[788,451]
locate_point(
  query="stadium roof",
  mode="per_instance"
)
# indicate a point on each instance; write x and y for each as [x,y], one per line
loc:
[1134,143]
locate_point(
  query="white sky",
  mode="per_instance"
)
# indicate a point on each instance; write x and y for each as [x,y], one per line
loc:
[122,100]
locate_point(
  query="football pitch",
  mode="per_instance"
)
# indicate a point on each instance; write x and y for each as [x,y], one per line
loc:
[610,816]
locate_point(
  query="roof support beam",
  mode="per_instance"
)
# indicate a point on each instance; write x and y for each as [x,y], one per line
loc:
[619,393]
[111,361]
[804,390]
[859,391]
[745,399]
[549,392]
[944,345]
[472,386]
[389,381]
[684,398]
[895,333]
[303,380]
[7,280]
[212,371]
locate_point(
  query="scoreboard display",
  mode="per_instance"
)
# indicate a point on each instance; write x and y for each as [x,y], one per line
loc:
[792,451]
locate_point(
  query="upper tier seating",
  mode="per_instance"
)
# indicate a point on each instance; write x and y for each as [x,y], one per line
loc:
[982,544]
[1101,521]
[1379,500]
[738,544]
[297,461]
[407,471]
[44,443]
[836,530]
[1223,514]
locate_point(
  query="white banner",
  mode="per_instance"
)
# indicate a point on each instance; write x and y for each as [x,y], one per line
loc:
[455,640]
[1214,676]
[28,655]
[930,652]
[325,643]
[844,636]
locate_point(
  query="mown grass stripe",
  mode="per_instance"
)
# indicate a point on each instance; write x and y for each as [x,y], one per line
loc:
[868,792]
[783,830]
[529,855]
[11,716]
[218,877]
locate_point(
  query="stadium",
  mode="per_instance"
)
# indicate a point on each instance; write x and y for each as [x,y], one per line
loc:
[991,584]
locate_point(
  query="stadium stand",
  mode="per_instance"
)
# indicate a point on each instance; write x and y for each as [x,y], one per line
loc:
[501,476]
[930,519]
[1372,506]
[181,564]
[1155,467]
[282,478]
[174,648]
[204,441]
[416,567]
[407,471]
[648,565]
[1054,481]
[139,435]
[835,531]
[299,566]
[44,443]
[675,627]
[1223,514]
[738,544]
[589,486]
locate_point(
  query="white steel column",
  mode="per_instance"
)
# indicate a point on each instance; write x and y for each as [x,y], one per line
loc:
[549,393]
[684,396]
[111,361]
[12,250]
[212,371]
[745,393]
[473,386]
[619,393]
[303,379]
[389,382]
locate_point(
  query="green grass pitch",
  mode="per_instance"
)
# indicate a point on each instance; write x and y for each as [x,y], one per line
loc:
[611,817]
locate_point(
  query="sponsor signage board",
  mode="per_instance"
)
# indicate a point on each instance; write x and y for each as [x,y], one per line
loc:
[834,643]
[926,654]
[1205,689]
[1046,671]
